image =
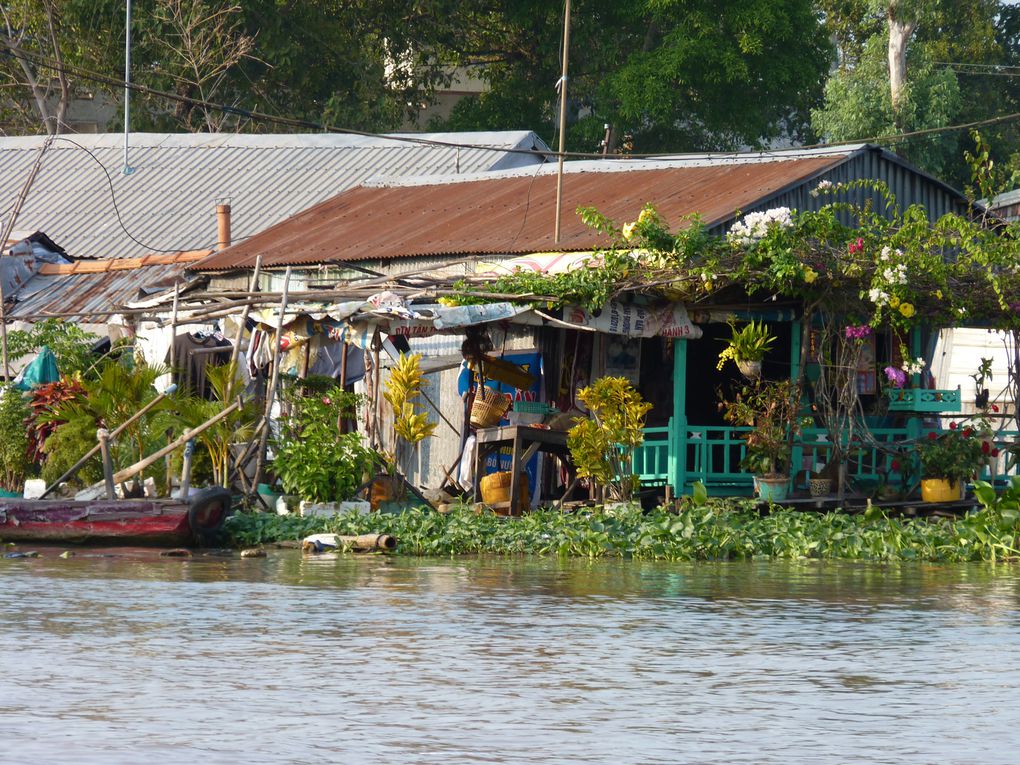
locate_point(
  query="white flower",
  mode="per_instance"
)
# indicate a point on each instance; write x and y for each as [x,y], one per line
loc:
[822,186]
[913,367]
[754,226]
[877,296]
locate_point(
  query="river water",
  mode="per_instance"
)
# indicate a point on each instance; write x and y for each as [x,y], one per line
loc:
[133,658]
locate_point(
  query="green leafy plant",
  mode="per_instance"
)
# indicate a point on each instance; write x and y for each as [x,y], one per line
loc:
[749,343]
[71,345]
[317,462]
[956,455]
[14,462]
[217,440]
[771,409]
[120,390]
[602,446]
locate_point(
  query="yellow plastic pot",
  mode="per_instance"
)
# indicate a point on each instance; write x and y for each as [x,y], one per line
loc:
[940,490]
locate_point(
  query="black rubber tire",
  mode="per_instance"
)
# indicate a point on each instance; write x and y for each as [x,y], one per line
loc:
[209,509]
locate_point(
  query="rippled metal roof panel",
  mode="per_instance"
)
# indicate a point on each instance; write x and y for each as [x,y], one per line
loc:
[514,214]
[88,293]
[168,201]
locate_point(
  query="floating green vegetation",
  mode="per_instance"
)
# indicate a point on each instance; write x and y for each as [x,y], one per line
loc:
[717,530]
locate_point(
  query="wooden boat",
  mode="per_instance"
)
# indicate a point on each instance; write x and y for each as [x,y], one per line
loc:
[173,522]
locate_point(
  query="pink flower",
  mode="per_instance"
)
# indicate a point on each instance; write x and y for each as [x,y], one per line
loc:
[932,436]
[895,464]
[995,452]
[985,447]
[953,426]
[897,377]
[995,408]
[967,433]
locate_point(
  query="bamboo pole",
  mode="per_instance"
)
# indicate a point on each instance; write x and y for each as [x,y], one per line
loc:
[139,466]
[359,543]
[235,352]
[111,436]
[173,327]
[260,459]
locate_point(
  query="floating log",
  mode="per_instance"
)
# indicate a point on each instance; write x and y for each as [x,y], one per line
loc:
[360,543]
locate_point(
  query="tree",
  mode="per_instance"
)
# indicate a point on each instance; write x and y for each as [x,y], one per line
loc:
[674,74]
[32,29]
[906,65]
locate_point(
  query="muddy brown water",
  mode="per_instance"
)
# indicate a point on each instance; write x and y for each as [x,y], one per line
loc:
[126,657]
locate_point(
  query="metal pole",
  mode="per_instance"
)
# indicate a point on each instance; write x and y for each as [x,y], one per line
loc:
[189,452]
[127,87]
[104,446]
[563,120]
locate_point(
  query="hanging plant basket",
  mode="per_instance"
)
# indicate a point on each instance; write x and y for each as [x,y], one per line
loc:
[750,369]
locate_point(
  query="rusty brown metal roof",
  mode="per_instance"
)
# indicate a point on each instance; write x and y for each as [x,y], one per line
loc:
[511,215]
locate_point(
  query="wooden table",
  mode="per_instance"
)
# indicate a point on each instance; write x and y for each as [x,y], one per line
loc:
[523,442]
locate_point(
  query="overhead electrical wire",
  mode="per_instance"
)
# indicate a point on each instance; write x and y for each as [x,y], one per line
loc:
[256,116]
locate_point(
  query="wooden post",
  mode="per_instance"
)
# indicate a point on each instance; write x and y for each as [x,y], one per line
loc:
[104,446]
[260,459]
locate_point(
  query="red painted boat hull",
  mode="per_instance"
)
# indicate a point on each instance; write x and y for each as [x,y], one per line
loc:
[121,521]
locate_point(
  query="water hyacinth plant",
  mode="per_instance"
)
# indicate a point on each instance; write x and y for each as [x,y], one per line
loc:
[714,530]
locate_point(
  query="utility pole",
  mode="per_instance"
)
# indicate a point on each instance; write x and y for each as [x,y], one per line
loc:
[127,87]
[563,119]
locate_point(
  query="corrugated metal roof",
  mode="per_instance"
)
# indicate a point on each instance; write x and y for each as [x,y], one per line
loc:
[168,200]
[87,294]
[513,214]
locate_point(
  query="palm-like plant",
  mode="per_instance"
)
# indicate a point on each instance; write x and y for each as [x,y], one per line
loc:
[237,427]
[119,391]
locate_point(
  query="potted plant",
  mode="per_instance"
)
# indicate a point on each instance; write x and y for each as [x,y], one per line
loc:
[602,444]
[770,409]
[314,460]
[981,377]
[947,460]
[747,347]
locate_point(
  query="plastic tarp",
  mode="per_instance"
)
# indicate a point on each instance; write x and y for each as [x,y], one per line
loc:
[41,371]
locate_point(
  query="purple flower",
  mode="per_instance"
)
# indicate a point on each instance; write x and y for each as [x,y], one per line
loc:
[897,377]
[858,332]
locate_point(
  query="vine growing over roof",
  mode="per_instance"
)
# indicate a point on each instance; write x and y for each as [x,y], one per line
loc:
[876,263]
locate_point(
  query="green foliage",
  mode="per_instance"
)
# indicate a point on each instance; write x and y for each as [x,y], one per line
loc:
[14,462]
[664,73]
[237,427]
[71,345]
[956,454]
[317,462]
[602,445]
[713,530]
[68,443]
[120,390]
[750,343]
[770,408]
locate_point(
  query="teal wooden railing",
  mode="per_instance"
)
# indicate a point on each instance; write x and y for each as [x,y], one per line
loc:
[713,454]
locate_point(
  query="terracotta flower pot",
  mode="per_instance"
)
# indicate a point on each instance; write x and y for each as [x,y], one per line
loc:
[940,490]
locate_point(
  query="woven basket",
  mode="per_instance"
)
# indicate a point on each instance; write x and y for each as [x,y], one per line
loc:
[488,408]
[495,488]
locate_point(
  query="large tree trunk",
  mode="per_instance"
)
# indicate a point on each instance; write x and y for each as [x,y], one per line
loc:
[900,30]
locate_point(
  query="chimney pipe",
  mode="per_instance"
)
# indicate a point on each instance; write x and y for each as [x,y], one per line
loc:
[222,227]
